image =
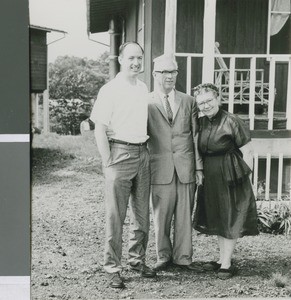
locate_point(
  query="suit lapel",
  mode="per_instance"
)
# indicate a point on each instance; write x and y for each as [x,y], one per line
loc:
[178,101]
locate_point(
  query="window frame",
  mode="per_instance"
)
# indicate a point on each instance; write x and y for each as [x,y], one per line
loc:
[270,12]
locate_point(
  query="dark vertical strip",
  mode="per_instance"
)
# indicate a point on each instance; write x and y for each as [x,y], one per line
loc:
[14,157]
[14,67]
[14,209]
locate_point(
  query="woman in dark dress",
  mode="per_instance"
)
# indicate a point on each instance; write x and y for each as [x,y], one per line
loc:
[226,206]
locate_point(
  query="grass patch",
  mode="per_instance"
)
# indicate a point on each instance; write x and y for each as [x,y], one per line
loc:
[280,280]
[79,146]
[52,153]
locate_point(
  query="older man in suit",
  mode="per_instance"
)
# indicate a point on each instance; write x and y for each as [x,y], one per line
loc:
[176,166]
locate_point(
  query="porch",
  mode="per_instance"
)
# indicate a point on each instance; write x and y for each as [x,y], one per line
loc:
[260,93]
[270,128]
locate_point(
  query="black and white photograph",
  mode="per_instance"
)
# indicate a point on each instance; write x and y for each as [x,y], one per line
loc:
[160,149]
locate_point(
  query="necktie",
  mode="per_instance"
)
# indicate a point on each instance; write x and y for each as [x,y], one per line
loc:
[168,109]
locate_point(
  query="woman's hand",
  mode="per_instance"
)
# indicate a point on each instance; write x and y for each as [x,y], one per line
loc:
[199,177]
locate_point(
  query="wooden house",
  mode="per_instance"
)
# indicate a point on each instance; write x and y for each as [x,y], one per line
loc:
[38,72]
[38,59]
[244,46]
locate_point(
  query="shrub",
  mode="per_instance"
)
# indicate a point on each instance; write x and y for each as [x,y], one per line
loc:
[276,220]
[66,115]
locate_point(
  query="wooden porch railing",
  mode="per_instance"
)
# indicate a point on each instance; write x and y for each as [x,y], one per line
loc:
[261,151]
[263,193]
[248,87]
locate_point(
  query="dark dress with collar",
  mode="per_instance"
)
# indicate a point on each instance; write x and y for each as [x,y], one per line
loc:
[226,204]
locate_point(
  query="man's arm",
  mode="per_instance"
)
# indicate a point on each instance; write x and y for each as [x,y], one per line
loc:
[102,142]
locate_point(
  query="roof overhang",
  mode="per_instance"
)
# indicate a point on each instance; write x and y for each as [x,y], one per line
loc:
[46,29]
[100,12]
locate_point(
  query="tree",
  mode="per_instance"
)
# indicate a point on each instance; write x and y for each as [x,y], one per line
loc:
[73,85]
[77,78]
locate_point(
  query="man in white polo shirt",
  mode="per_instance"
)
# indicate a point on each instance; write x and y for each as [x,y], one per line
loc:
[120,115]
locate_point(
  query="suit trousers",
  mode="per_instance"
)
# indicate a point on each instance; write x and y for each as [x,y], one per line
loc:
[173,202]
[127,180]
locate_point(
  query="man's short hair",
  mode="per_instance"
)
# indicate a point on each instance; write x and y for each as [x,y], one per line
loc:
[124,45]
[165,57]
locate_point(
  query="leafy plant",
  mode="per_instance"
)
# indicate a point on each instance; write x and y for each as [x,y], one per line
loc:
[73,86]
[77,78]
[66,115]
[275,220]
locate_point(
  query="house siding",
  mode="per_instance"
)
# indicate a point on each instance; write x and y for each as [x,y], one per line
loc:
[189,39]
[131,22]
[157,32]
[38,61]
[241,26]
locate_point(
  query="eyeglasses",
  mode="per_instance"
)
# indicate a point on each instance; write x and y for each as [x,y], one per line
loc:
[166,73]
[203,103]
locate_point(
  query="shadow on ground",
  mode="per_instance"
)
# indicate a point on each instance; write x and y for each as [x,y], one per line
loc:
[45,162]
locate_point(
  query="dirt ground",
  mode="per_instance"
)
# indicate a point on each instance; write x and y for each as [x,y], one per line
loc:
[68,233]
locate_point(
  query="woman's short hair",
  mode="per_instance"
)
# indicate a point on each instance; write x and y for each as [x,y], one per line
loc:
[124,45]
[204,88]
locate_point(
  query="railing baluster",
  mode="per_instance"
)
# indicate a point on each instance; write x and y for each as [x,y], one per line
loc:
[262,88]
[256,168]
[271,93]
[231,84]
[268,176]
[189,72]
[289,186]
[288,109]
[280,176]
[252,93]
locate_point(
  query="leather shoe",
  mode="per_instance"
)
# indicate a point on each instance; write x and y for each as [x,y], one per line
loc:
[226,273]
[115,281]
[144,270]
[191,267]
[211,266]
[160,266]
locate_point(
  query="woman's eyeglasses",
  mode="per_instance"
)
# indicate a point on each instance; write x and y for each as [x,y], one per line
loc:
[203,103]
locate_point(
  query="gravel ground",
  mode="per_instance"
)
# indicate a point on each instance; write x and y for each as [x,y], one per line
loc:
[67,244]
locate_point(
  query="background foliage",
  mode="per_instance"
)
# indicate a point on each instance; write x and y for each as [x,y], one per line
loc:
[276,220]
[73,85]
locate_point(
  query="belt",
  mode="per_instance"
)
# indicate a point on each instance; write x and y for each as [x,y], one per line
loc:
[126,143]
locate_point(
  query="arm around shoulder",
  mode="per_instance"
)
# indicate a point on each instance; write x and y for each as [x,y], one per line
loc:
[248,153]
[102,142]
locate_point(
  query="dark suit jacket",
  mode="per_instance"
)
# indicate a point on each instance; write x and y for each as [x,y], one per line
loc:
[173,147]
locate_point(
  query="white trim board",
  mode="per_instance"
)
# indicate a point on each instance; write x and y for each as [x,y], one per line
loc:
[14,288]
[14,280]
[14,138]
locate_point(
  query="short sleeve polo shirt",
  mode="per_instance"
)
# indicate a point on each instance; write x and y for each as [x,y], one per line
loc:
[124,109]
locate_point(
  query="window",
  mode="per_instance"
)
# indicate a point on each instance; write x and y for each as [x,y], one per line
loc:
[279,27]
